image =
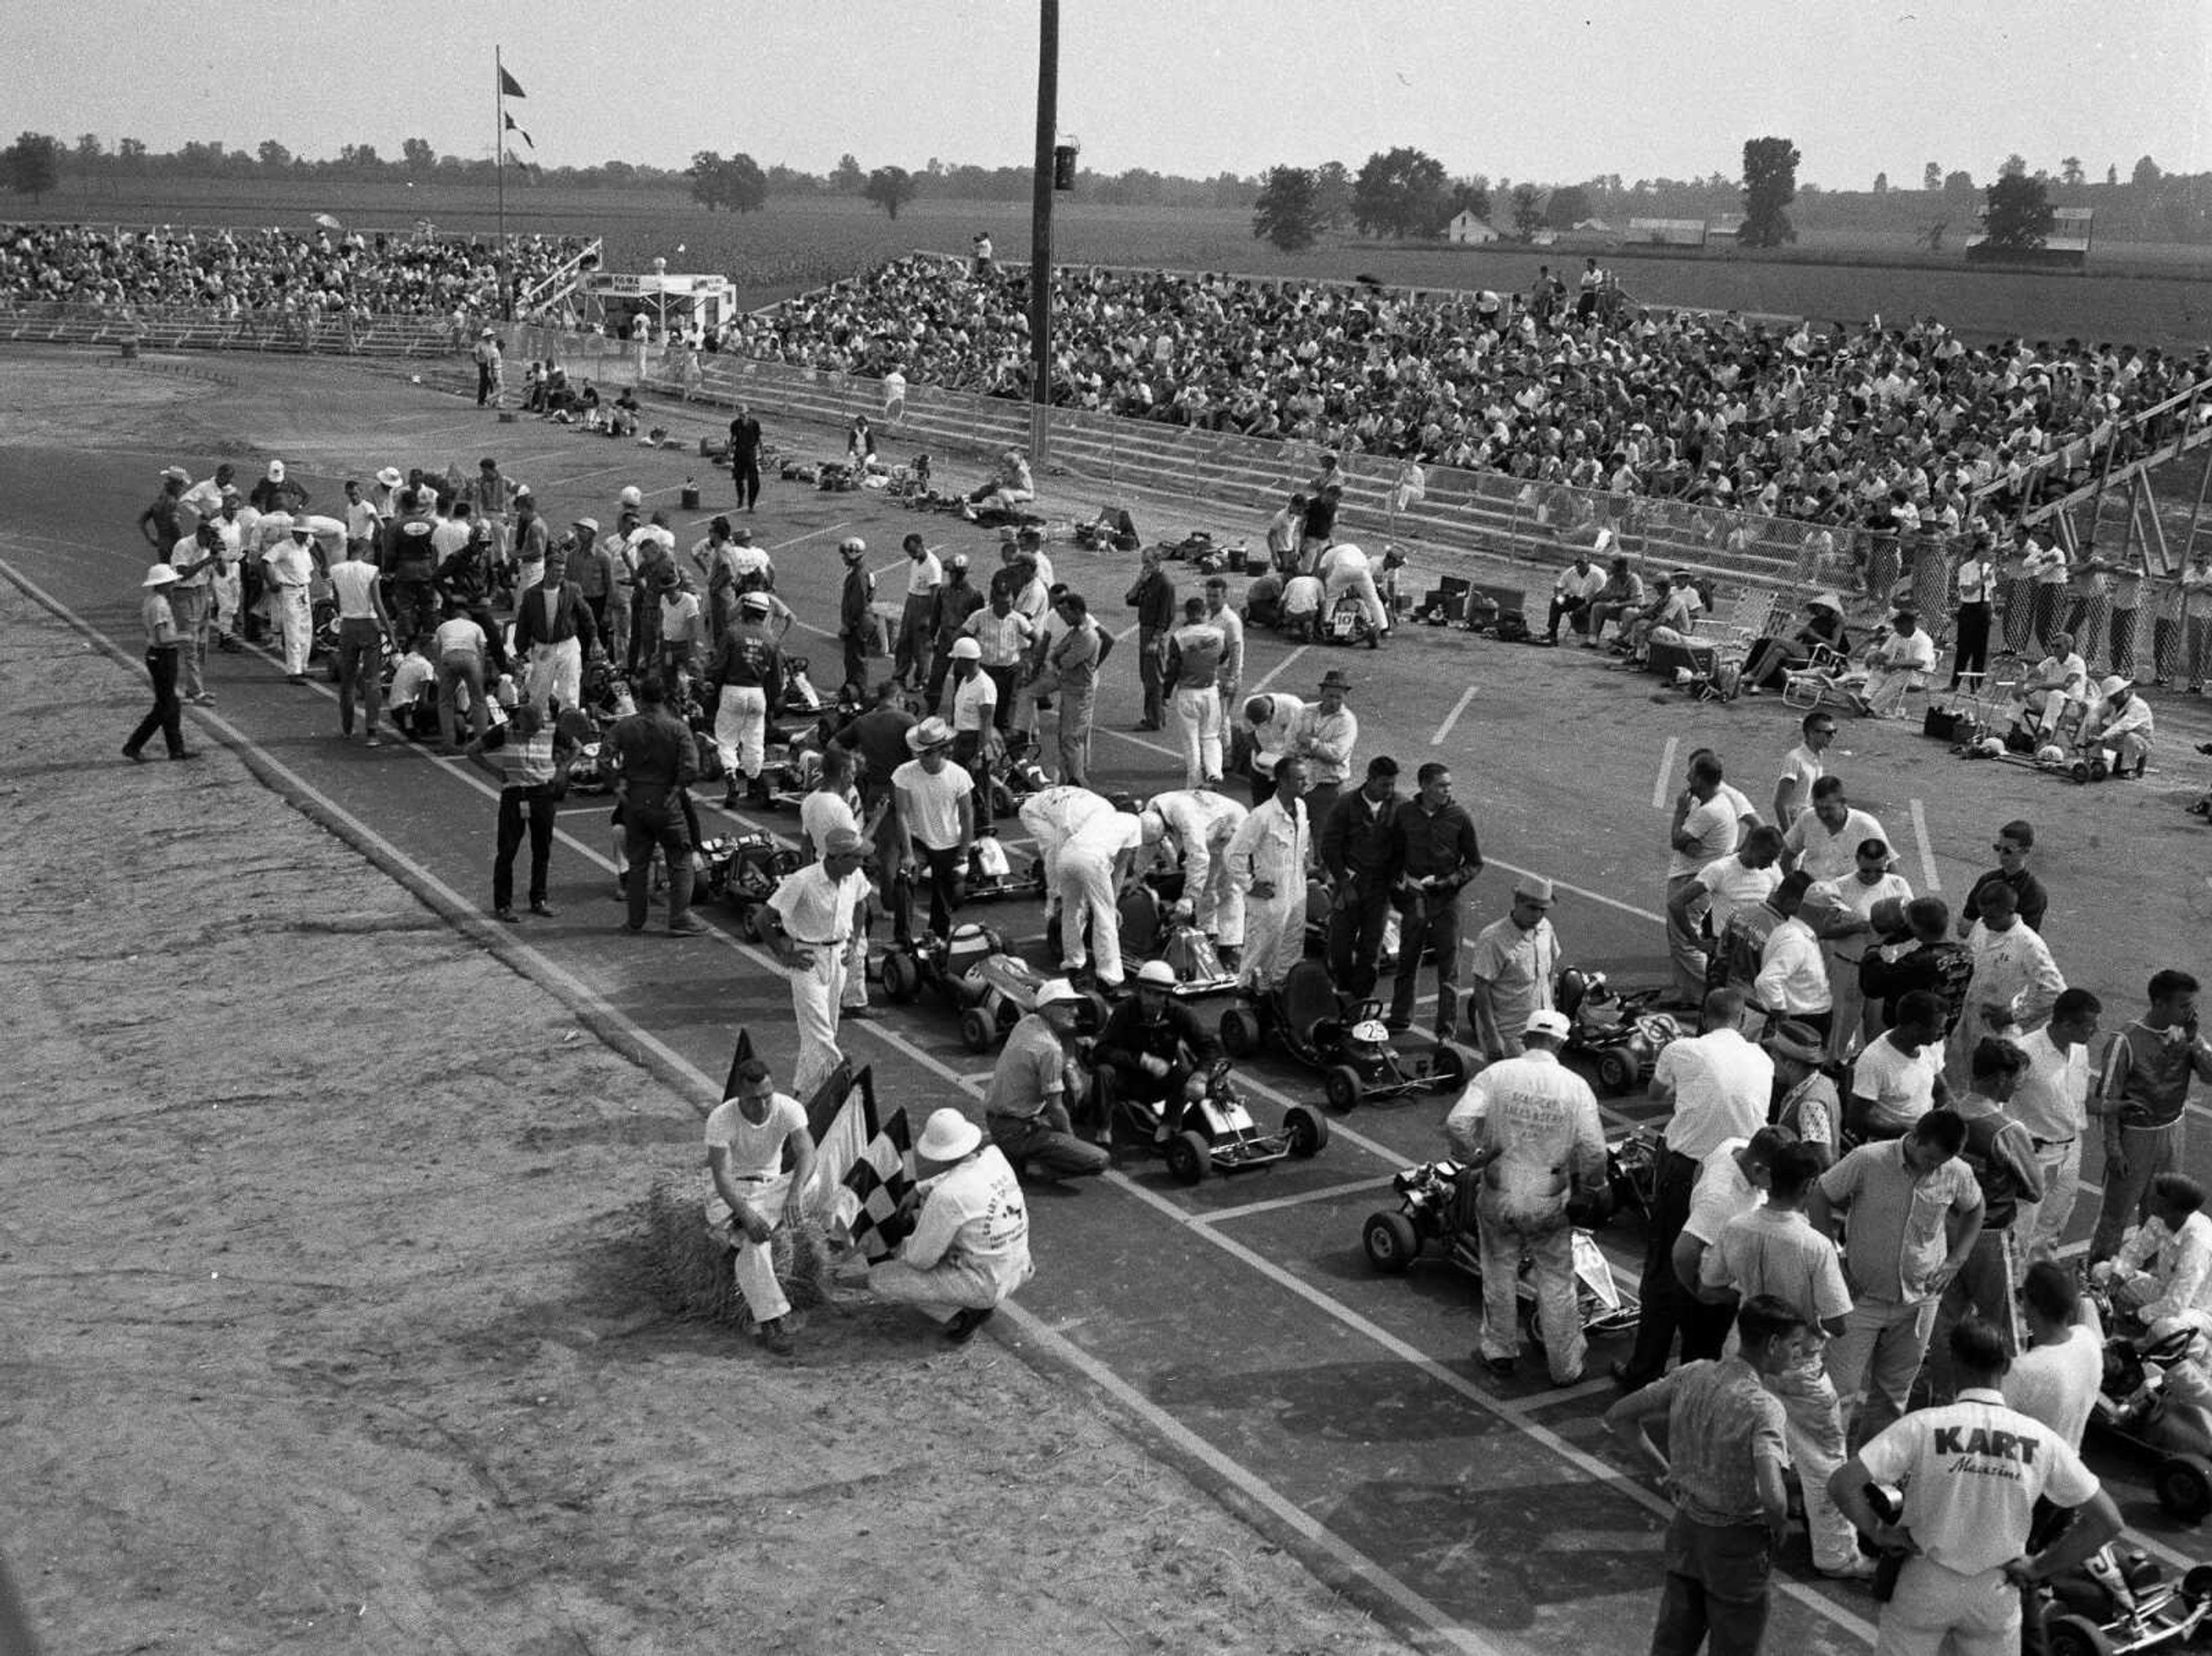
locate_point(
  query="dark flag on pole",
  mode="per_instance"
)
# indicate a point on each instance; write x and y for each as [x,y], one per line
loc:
[508,86]
[513,127]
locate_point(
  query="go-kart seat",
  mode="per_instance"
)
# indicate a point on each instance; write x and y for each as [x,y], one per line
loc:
[1571,987]
[1139,910]
[1308,998]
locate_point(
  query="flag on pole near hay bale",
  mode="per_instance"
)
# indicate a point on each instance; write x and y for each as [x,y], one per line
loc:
[864,1164]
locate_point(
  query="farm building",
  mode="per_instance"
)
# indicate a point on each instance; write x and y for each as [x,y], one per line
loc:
[1465,227]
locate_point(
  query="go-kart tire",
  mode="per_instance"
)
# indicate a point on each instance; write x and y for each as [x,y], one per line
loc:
[1616,1072]
[1190,1158]
[749,924]
[1448,1067]
[1101,1009]
[2075,1635]
[2080,771]
[2183,1484]
[1391,1242]
[2099,770]
[1308,1131]
[901,979]
[978,1029]
[1240,1033]
[1344,1087]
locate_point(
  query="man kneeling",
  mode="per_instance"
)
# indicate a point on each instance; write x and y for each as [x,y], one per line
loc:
[746,1138]
[970,1249]
[1027,1105]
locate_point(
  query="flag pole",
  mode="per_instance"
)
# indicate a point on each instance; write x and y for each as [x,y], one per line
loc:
[499,167]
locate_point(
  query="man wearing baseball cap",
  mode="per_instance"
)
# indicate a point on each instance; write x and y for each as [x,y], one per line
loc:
[1527,1128]
[810,918]
[933,807]
[1026,1108]
[970,1249]
[1516,961]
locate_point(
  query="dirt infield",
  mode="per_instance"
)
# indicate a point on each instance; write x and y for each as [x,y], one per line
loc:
[329,1323]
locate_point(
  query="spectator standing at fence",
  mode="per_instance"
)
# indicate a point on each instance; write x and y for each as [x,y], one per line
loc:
[2195,668]
[745,457]
[2142,1099]
[1153,599]
[1974,585]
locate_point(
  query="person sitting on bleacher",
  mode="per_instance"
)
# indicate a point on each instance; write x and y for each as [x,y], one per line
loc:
[1773,659]
[1900,661]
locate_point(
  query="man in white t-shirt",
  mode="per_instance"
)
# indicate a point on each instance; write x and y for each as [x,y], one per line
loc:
[1733,1179]
[2051,1100]
[810,919]
[934,807]
[1898,1078]
[747,1137]
[2056,1378]
[1744,878]
[1971,1472]
[1802,766]
[1842,912]
[970,1249]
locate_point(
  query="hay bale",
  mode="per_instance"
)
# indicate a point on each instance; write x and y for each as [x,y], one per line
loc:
[691,1263]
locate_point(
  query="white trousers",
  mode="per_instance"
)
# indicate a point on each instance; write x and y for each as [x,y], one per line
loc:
[816,996]
[1274,936]
[1199,711]
[753,1264]
[741,729]
[556,672]
[1217,904]
[939,1290]
[1087,883]
[1361,583]
[226,595]
[296,623]
[1935,1610]
[2042,1225]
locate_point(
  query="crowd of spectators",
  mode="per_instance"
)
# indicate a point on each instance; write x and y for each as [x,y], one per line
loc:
[233,272]
[1863,425]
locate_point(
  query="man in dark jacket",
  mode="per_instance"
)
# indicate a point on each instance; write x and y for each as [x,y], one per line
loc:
[1362,853]
[653,760]
[854,619]
[1155,1049]
[1153,599]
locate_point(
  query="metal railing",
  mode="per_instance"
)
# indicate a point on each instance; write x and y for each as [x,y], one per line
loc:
[189,327]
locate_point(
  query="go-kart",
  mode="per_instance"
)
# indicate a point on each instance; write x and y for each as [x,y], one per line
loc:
[743,869]
[990,989]
[800,695]
[1348,1045]
[2116,1602]
[1015,775]
[994,873]
[1436,1205]
[1218,1133]
[2175,1437]
[1617,1032]
[1345,622]
[1631,1169]
[1157,927]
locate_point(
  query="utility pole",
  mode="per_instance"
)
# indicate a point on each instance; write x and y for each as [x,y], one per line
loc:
[1048,129]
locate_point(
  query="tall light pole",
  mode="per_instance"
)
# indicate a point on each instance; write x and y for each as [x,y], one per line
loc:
[1047,128]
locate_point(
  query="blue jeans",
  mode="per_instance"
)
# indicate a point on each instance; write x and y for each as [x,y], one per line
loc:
[1715,1589]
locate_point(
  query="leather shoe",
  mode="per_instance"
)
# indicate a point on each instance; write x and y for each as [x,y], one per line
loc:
[691,926]
[542,909]
[965,1323]
[187,752]
[1504,1367]
[1861,1568]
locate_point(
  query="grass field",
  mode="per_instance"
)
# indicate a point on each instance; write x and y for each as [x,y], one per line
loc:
[2149,294]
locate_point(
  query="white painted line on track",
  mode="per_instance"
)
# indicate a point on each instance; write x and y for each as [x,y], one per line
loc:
[1931,882]
[1122,637]
[1452,717]
[1269,677]
[1666,773]
[1327,1193]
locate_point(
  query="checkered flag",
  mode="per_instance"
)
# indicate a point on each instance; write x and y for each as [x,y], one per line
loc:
[864,1164]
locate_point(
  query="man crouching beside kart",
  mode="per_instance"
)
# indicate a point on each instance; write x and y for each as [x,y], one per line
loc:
[1153,1051]
[1026,1108]
[1527,1136]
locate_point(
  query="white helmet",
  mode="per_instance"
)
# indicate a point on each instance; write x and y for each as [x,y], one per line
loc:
[630,496]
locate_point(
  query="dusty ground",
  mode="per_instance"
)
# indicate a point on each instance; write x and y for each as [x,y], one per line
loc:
[328,1324]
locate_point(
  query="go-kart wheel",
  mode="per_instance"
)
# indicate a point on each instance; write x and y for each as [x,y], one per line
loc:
[749,924]
[902,980]
[2075,1635]
[1448,1067]
[2183,1484]
[1240,1033]
[978,1029]
[2080,771]
[1343,1086]
[1616,1072]
[1189,1157]
[1391,1242]
[1101,1009]
[1308,1131]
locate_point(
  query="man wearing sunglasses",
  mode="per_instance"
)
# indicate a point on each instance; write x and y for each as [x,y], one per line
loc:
[2015,840]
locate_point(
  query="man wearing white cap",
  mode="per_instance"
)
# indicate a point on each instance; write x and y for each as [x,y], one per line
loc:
[856,621]
[2121,721]
[933,814]
[1527,1128]
[811,917]
[1515,964]
[1026,1108]
[289,566]
[747,1136]
[970,1249]
[744,683]
[1094,866]
[1154,1050]
[1266,858]
[974,706]
[1197,824]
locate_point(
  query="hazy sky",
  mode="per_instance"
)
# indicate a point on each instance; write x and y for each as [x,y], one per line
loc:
[1530,89]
